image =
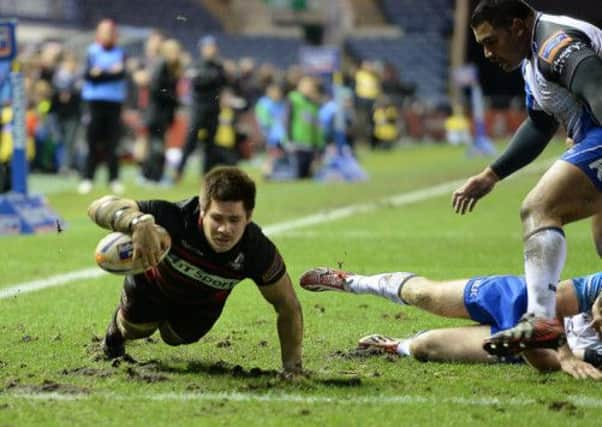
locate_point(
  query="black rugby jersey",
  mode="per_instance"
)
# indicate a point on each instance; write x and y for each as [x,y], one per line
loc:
[192,272]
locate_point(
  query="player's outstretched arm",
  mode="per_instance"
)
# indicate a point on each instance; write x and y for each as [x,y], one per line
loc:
[576,367]
[542,359]
[527,143]
[116,213]
[465,198]
[290,322]
[124,215]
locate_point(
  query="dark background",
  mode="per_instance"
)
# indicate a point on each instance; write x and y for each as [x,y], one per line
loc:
[502,86]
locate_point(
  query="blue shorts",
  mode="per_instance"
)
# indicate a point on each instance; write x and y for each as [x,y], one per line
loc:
[498,301]
[587,156]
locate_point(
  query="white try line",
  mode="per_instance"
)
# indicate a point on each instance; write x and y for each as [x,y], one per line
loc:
[396,201]
[375,400]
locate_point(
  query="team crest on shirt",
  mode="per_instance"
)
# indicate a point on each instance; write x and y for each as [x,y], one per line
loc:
[238,262]
[553,45]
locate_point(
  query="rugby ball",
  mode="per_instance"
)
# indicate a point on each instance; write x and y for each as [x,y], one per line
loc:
[114,252]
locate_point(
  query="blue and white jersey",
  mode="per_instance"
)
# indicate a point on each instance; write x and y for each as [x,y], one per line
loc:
[554,40]
[579,331]
[587,289]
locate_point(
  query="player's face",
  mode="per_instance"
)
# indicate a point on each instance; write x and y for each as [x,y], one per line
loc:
[502,46]
[224,224]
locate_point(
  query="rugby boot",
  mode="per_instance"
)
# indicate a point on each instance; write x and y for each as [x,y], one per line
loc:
[379,342]
[113,344]
[322,279]
[529,333]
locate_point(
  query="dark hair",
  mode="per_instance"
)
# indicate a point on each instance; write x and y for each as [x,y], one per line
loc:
[228,184]
[500,13]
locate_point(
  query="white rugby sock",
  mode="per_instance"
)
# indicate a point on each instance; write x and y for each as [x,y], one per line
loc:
[545,254]
[387,285]
[403,348]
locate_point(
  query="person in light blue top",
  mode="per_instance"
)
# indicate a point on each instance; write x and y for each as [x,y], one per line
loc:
[104,91]
[271,113]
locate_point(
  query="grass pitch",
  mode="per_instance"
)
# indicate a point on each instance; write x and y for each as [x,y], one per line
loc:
[50,373]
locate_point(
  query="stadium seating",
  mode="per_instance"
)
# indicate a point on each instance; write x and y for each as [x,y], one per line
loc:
[422,53]
[171,16]
[418,16]
[420,58]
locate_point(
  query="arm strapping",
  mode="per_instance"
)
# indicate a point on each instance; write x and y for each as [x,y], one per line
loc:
[117,214]
[527,143]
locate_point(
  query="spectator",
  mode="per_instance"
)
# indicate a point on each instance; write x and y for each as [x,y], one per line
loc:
[66,105]
[248,84]
[385,124]
[367,90]
[270,113]
[305,135]
[328,116]
[228,136]
[163,102]
[48,145]
[105,91]
[207,83]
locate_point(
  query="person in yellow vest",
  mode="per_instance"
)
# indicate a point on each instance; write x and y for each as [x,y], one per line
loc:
[457,127]
[227,137]
[367,91]
[385,124]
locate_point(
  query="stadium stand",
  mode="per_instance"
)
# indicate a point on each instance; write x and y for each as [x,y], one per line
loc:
[429,71]
[421,53]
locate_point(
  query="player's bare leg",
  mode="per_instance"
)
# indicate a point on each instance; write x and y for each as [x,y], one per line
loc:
[563,195]
[462,344]
[440,298]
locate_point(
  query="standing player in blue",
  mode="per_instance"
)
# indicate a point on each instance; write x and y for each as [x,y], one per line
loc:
[561,64]
[496,303]
[214,246]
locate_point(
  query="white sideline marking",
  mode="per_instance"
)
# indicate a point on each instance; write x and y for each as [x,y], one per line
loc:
[580,401]
[274,229]
[58,280]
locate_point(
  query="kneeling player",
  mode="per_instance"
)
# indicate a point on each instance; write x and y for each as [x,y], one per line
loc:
[215,245]
[495,302]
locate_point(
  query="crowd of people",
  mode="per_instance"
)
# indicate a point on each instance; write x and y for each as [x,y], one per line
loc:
[99,106]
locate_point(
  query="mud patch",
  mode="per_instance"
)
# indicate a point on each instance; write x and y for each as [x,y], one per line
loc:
[88,372]
[563,406]
[226,369]
[145,375]
[355,381]
[47,386]
[401,316]
[357,353]
[319,308]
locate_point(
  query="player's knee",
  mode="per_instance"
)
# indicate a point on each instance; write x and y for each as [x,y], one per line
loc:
[528,208]
[423,348]
[419,296]
[537,210]
[170,337]
[132,331]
